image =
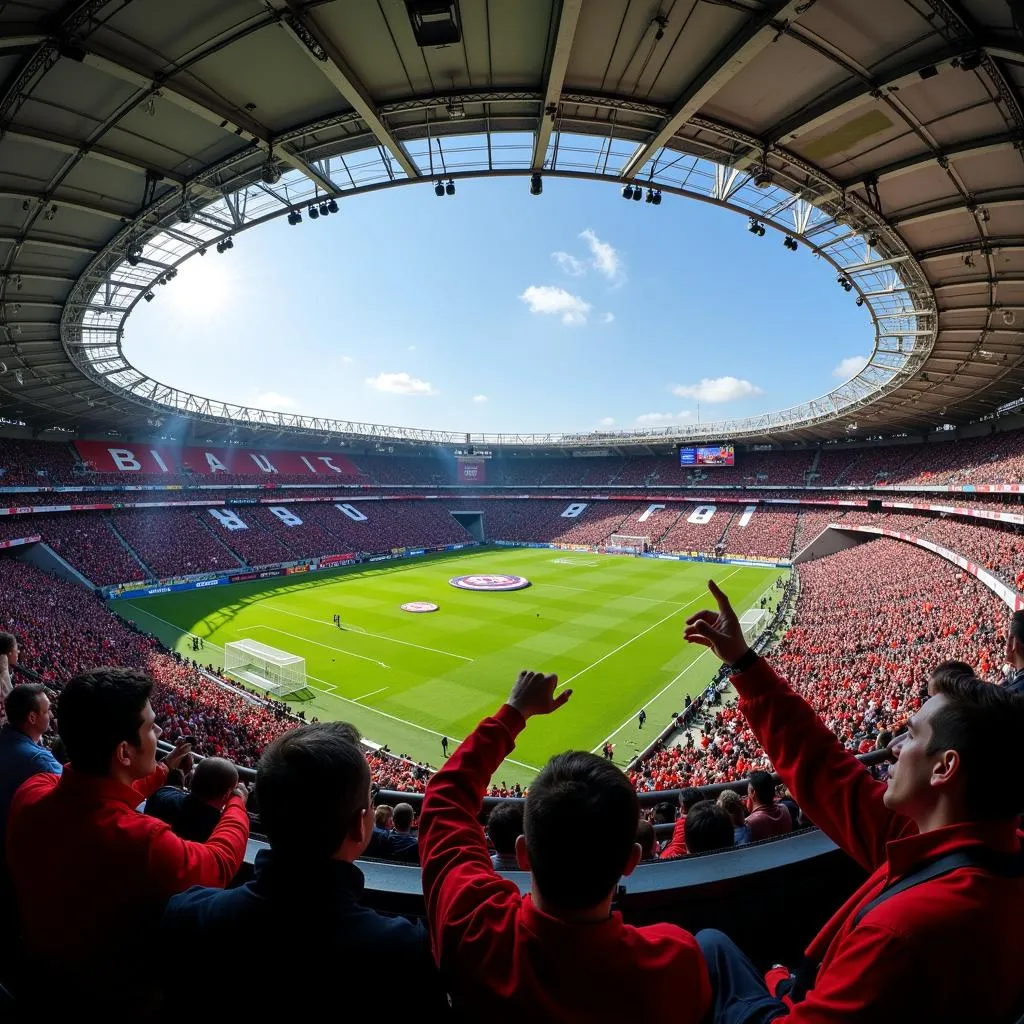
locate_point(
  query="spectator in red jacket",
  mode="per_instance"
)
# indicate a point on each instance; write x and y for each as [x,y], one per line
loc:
[767,818]
[676,846]
[953,789]
[561,953]
[91,874]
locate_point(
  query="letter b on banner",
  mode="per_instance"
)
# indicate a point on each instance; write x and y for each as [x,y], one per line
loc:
[575,510]
[228,519]
[701,514]
[286,517]
[352,512]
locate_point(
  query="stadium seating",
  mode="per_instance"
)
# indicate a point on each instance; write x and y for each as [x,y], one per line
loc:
[173,542]
[768,534]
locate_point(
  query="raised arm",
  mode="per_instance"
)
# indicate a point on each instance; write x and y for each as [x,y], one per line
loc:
[468,903]
[827,781]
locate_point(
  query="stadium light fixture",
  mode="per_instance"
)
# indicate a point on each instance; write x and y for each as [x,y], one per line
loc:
[657,197]
[763,178]
[638,193]
[1009,317]
[449,189]
[439,189]
[627,191]
[323,210]
[332,206]
[536,184]
[860,300]
[148,296]
[790,243]
[294,217]
[756,227]
[844,282]
[313,212]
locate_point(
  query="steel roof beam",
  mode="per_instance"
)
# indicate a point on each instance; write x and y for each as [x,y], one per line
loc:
[976,147]
[301,27]
[845,100]
[568,18]
[974,282]
[989,245]
[762,29]
[45,243]
[959,205]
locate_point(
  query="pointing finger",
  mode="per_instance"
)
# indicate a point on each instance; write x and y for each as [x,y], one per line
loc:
[719,596]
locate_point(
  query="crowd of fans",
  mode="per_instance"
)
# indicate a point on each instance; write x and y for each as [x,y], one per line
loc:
[869,624]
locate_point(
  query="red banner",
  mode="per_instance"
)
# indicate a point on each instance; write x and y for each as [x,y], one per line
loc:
[472,471]
[140,458]
[337,560]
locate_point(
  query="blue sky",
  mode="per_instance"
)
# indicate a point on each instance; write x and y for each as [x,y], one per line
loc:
[493,310]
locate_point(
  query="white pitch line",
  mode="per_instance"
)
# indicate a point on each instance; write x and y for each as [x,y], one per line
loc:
[610,597]
[372,693]
[366,632]
[306,640]
[644,632]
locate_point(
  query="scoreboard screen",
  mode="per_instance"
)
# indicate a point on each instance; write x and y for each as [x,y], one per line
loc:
[718,455]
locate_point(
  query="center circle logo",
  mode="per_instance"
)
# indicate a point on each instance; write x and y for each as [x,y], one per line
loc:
[419,606]
[489,581]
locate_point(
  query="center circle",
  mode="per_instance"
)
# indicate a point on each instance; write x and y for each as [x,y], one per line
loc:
[489,581]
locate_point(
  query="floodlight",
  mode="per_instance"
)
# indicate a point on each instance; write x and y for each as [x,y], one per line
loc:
[270,173]
[872,240]
[638,193]
[650,196]
[763,178]
[756,227]
[439,189]
[536,184]
[313,213]
[148,296]
[229,243]
[627,191]
[332,206]
[860,300]
[1009,317]
[657,197]
[790,243]
[294,217]
[449,189]
[323,210]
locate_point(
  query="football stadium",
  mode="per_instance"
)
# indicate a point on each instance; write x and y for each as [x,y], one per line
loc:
[722,714]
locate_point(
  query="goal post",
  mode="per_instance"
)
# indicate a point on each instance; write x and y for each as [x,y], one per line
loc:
[629,542]
[277,672]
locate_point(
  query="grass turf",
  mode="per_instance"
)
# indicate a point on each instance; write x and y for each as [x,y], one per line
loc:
[609,626]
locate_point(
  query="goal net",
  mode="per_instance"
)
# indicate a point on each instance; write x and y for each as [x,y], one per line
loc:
[277,672]
[629,542]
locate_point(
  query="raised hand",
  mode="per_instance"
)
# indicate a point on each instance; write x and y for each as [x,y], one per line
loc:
[534,694]
[176,758]
[720,631]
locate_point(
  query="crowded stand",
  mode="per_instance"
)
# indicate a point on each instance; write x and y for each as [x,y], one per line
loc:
[254,545]
[810,523]
[87,542]
[35,463]
[768,533]
[598,522]
[698,528]
[173,542]
[870,623]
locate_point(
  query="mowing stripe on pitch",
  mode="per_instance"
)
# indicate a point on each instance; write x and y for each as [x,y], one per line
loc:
[306,640]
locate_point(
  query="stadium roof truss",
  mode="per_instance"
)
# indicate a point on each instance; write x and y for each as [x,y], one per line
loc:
[887,136]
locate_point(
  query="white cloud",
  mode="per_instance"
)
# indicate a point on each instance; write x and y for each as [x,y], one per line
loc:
[400,384]
[553,301]
[572,266]
[604,256]
[662,419]
[718,389]
[850,367]
[607,318]
[347,360]
[606,421]
[479,399]
[274,401]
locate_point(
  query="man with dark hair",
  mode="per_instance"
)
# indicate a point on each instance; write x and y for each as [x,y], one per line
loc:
[22,754]
[645,839]
[1015,653]
[708,827]
[946,670]
[767,818]
[194,814]
[560,953]
[504,827]
[313,790]
[940,841]
[107,869]
[676,846]
[8,659]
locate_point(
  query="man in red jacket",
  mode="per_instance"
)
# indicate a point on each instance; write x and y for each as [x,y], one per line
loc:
[91,874]
[561,953]
[947,948]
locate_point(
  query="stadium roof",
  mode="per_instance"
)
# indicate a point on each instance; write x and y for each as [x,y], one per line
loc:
[887,134]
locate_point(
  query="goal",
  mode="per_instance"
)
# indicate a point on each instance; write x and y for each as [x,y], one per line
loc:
[277,672]
[629,542]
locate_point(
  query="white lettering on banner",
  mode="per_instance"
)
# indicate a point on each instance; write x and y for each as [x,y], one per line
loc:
[286,517]
[309,465]
[748,513]
[262,462]
[207,583]
[214,463]
[228,519]
[160,462]
[326,460]
[125,460]
[648,512]
[701,514]
[575,510]
[352,512]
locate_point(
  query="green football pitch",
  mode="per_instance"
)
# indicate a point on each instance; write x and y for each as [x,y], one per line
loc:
[609,626]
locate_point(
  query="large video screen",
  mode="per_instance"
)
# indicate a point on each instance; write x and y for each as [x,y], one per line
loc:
[718,455]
